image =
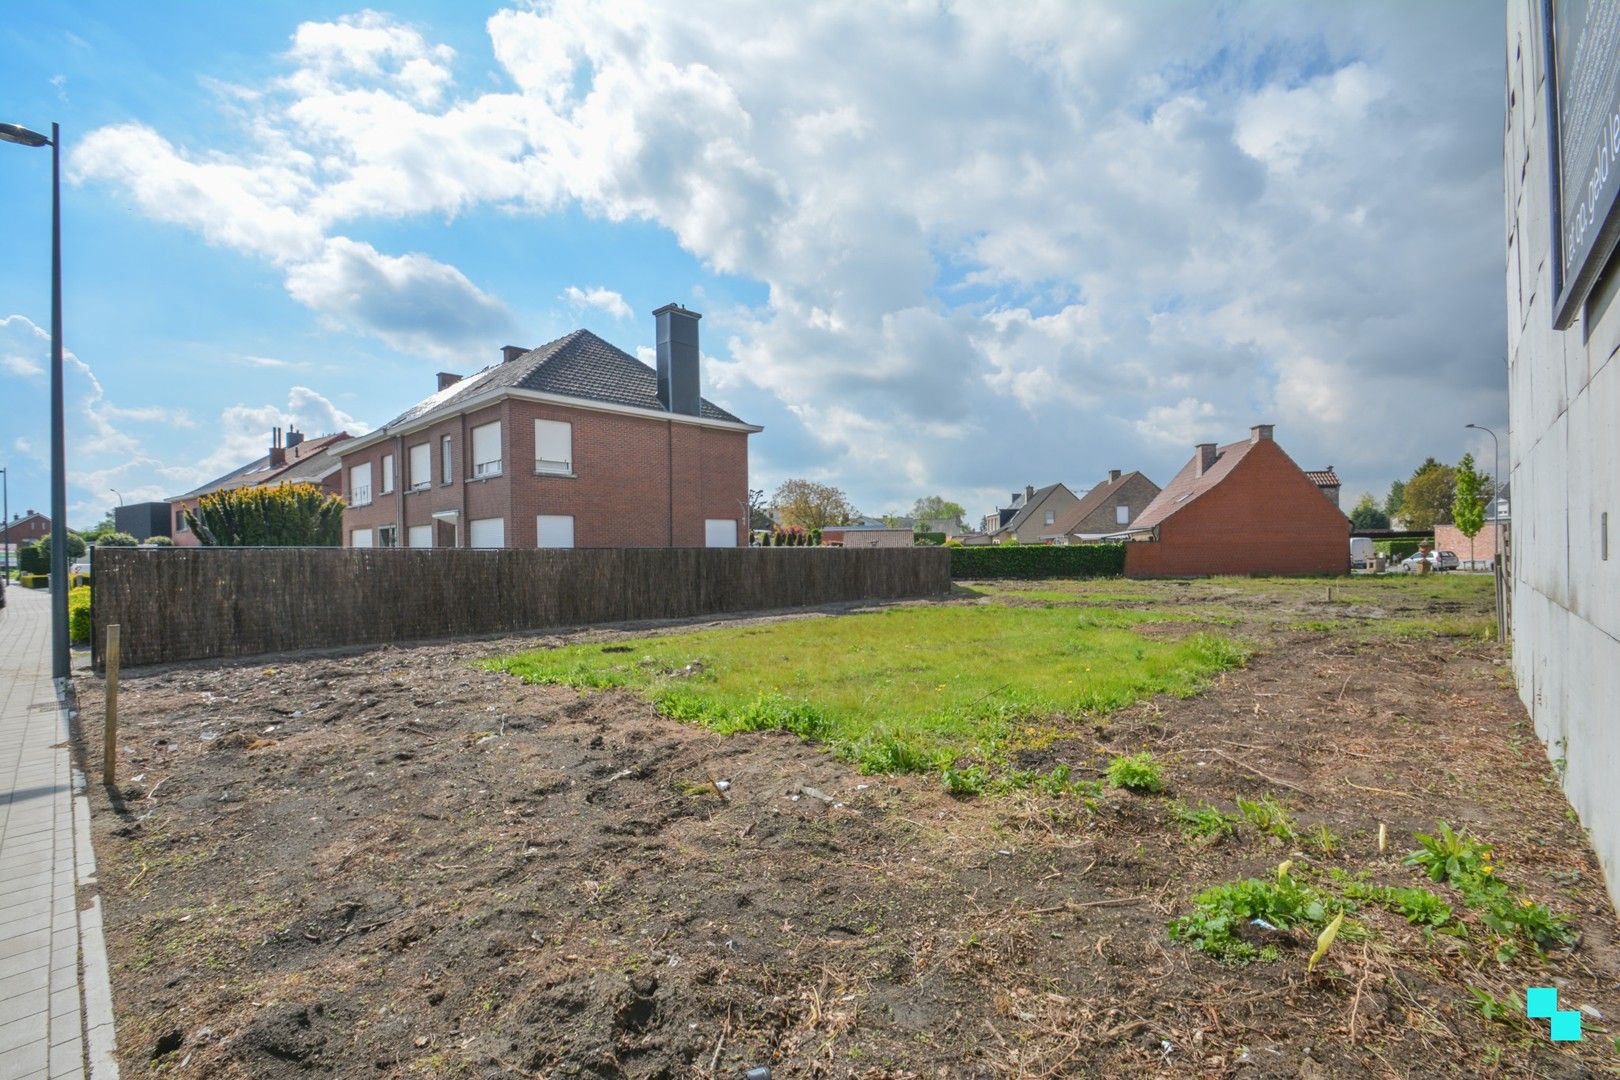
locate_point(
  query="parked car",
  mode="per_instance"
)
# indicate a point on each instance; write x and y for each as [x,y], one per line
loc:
[1437,560]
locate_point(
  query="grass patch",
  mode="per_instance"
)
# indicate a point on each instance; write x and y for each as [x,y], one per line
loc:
[1223,921]
[1269,818]
[904,690]
[1136,772]
[1201,821]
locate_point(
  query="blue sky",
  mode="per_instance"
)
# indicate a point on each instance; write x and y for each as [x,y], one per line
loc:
[937,251]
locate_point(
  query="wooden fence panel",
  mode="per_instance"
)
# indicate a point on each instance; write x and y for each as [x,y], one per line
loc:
[200,603]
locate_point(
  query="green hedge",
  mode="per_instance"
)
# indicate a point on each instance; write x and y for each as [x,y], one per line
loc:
[1038,561]
[34,581]
[1396,550]
[79,615]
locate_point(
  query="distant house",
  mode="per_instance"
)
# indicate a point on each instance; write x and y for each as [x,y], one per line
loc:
[291,459]
[1110,507]
[26,528]
[1030,515]
[1326,481]
[1243,508]
[144,520]
[572,444]
[866,536]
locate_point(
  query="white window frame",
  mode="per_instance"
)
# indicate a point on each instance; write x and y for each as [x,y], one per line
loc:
[388,474]
[546,436]
[355,536]
[447,460]
[416,531]
[714,528]
[360,491]
[473,531]
[554,530]
[483,464]
[1122,514]
[425,459]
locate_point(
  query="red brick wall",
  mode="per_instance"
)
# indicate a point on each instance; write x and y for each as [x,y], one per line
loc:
[1450,538]
[1265,517]
[618,496]
[29,529]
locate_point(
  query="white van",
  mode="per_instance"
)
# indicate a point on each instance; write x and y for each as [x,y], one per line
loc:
[1361,552]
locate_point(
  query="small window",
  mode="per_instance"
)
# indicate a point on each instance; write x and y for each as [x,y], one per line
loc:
[486,450]
[387,536]
[180,521]
[360,538]
[388,473]
[360,489]
[420,536]
[421,466]
[720,532]
[1051,517]
[1122,514]
[553,447]
[447,462]
[487,533]
[554,531]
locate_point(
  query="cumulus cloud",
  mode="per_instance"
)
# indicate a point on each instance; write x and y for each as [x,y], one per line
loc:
[1033,247]
[602,299]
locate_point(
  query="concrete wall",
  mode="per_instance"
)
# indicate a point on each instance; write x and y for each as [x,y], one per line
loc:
[1563,446]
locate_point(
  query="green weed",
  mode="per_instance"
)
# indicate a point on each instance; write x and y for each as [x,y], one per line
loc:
[1269,818]
[1202,821]
[1219,913]
[1136,772]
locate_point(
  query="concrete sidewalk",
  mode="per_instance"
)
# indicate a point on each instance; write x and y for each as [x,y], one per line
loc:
[55,1000]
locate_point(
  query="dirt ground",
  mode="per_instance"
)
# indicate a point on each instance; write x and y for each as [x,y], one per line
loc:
[390,864]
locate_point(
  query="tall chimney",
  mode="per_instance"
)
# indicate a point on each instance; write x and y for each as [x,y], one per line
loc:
[510,353]
[294,437]
[1206,457]
[448,379]
[1260,433]
[1029,492]
[278,455]
[1113,474]
[678,385]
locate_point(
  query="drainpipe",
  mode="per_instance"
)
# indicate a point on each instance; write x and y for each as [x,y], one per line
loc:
[669,477]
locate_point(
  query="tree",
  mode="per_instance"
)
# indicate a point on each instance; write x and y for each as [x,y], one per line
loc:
[1426,502]
[292,515]
[100,528]
[158,541]
[893,521]
[1468,501]
[1367,515]
[811,505]
[1393,501]
[759,516]
[35,558]
[116,539]
[934,507]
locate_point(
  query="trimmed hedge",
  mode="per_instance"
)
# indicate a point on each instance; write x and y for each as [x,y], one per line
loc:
[79,615]
[34,581]
[1038,561]
[1396,550]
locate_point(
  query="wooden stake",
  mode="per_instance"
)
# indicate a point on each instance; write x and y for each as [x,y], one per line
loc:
[109,731]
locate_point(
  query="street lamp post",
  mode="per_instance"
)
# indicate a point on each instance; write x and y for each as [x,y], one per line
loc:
[14,133]
[5,526]
[1496,524]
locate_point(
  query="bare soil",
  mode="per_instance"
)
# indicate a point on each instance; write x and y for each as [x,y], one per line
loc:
[391,864]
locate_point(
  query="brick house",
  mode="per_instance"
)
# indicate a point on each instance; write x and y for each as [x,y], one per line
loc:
[291,459]
[1106,509]
[1030,515]
[867,536]
[572,444]
[26,528]
[1326,481]
[1244,508]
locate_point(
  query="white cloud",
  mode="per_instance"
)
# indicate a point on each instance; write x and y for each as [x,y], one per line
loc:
[1055,243]
[604,299]
[270,362]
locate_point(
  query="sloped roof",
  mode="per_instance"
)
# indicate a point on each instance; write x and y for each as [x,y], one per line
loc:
[1092,501]
[579,365]
[1188,485]
[302,464]
[1323,477]
[1027,506]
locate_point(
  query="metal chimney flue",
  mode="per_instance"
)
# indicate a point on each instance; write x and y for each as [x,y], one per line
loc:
[679,388]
